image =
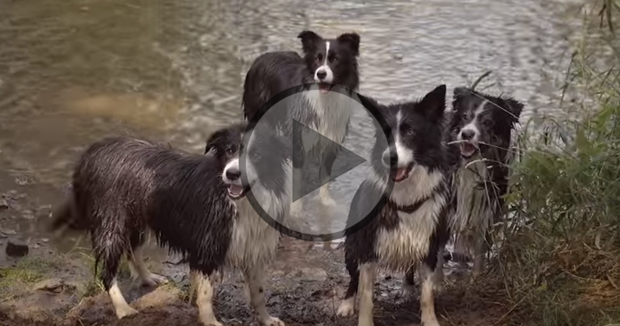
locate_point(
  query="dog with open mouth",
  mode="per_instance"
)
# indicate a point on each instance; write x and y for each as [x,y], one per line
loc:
[124,187]
[326,78]
[480,132]
[408,227]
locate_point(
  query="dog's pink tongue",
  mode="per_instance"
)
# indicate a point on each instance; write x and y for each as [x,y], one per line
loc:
[324,88]
[401,174]
[235,190]
[467,148]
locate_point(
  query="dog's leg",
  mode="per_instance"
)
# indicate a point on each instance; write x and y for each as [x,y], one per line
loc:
[438,274]
[121,307]
[427,303]
[479,253]
[408,281]
[461,250]
[254,280]
[347,306]
[297,205]
[325,174]
[110,255]
[138,267]
[367,281]
[204,298]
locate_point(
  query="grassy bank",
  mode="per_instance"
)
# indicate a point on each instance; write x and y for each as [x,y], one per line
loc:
[561,266]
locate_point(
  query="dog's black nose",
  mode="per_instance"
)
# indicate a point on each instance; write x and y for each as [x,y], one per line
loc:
[321,74]
[388,158]
[233,174]
[468,134]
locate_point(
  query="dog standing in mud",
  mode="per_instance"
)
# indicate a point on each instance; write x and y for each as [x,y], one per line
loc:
[194,204]
[408,226]
[480,132]
[327,77]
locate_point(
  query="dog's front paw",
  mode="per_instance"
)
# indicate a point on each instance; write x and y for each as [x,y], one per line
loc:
[154,280]
[346,309]
[125,311]
[433,322]
[211,322]
[273,321]
[365,322]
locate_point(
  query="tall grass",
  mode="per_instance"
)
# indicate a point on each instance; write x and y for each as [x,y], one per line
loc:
[560,259]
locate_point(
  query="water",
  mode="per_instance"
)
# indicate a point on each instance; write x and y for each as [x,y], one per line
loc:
[74,71]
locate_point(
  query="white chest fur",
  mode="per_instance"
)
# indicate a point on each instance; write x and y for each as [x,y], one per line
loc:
[403,246]
[253,242]
[399,248]
[333,111]
[474,210]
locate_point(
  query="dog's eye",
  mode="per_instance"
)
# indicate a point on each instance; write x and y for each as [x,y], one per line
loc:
[332,58]
[410,132]
[319,57]
[487,123]
[230,151]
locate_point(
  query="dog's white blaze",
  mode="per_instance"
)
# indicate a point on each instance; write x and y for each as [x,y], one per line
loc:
[121,307]
[233,164]
[405,155]
[473,125]
[329,77]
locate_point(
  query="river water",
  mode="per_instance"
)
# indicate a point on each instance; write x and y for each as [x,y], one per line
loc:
[74,71]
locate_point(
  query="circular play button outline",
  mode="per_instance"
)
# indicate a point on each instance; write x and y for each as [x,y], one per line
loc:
[378,122]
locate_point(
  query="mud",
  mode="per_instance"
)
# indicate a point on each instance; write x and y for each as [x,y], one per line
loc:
[305,288]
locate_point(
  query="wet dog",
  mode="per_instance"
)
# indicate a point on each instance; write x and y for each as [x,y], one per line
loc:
[325,78]
[408,227]
[480,132]
[194,204]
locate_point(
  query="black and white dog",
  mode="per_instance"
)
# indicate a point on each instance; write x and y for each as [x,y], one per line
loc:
[480,132]
[122,187]
[409,226]
[326,77]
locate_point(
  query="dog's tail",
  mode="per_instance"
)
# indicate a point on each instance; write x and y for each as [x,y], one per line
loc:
[65,217]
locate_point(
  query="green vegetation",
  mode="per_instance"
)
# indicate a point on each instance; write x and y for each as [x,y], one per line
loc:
[559,263]
[25,273]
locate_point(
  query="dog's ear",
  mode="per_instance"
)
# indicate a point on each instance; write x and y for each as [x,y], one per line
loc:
[308,40]
[514,107]
[433,104]
[459,92]
[352,40]
[213,141]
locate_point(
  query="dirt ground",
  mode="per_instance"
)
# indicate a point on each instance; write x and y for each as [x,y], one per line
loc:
[54,285]
[305,288]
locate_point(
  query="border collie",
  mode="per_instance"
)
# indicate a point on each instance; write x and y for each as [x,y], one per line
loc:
[409,226]
[327,76]
[122,187]
[480,133]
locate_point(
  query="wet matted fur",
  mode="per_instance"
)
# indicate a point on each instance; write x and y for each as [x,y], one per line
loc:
[123,187]
[327,76]
[408,228]
[480,132]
